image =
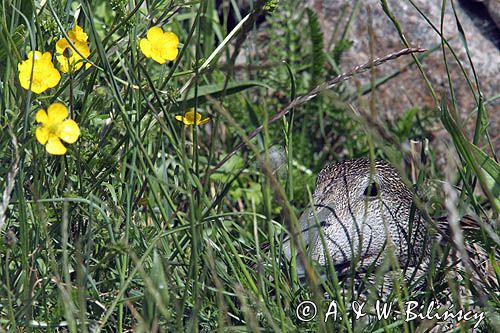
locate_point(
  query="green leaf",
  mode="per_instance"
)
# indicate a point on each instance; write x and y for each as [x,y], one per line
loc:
[406,123]
[318,57]
[491,168]
[486,169]
[217,90]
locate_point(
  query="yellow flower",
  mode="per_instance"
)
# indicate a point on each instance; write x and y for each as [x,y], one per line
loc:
[68,57]
[188,118]
[77,34]
[74,60]
[55,128]
[159,45]
[45,75]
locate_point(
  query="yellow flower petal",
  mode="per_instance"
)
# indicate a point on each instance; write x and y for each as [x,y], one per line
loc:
[37,55]
[204,121]
[37,86]
[61,45]
[42,134]
[53,78]
[158,58]
[57,112]
[83,48]
[54,146]
[68,131]
[77,34]
[24,66]
[190,116]
[24,80]
[198,117]
[184,119]
[170,53]
[171,38]
[155,34]
[41,116]
[47,56]
[63,63]
[145,46]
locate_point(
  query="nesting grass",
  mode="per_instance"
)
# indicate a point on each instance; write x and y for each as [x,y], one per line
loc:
[140,226]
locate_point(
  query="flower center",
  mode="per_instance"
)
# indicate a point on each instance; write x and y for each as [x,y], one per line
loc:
[53,128]
[157,48]
[37,80]
[68,52]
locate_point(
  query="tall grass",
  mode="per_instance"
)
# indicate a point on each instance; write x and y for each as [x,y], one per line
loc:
[140,226]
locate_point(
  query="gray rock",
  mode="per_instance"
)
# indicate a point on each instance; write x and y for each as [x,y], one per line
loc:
[408,89]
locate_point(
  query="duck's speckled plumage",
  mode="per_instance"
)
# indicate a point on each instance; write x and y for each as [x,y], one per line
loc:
[360,223]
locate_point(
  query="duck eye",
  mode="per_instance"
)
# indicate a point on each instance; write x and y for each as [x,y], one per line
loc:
[371,190]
